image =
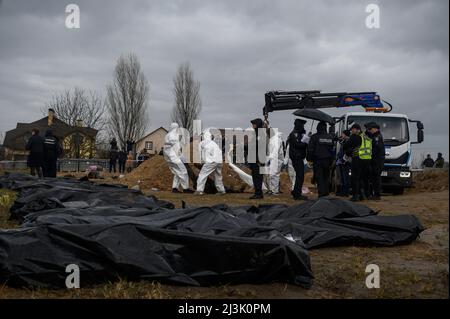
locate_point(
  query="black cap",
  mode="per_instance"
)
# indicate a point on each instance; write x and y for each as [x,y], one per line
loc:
[356,126]
[302,121]
[346,132]
[258,122]
[372,125]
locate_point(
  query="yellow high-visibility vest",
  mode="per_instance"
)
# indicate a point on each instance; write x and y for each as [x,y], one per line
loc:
[365,150]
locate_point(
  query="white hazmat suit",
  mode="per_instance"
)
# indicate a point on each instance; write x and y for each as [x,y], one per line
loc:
[211,156]
[172,154]
[275,161]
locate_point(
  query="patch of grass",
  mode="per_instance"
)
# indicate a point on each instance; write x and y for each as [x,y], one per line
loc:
[121,289]
[7,198]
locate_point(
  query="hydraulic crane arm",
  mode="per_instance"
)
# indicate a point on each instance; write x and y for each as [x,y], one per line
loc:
[293,100]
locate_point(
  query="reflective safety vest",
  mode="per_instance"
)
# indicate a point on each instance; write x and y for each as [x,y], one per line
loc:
[365,150]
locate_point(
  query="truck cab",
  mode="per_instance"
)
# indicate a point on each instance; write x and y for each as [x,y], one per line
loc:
[396,175]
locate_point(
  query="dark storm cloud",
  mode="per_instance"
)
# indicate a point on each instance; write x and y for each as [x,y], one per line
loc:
[238,49]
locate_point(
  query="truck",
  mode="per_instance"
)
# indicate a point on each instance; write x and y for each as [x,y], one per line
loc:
[395,128]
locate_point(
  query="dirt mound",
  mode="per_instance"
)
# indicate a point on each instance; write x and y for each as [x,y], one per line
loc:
[433,180]
[155,173]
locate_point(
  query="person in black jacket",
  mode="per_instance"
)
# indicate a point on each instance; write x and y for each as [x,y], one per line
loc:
[297,154]
[321,154]
[52,150]
[428,162]
[377,161]
[257,177]
[358,166]
[36,157]
[343,166]
[113,156]
[122,158]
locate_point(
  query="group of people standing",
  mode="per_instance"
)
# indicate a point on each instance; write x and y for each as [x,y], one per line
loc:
[361,153]
[317,149]
[430,163]
[364,153]
[43,153]
[120,157]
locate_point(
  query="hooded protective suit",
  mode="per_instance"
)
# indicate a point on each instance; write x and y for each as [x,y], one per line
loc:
[275,161]
[172,154]
[211,155]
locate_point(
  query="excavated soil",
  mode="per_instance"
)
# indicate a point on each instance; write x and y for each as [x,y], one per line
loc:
[433,180]
[155,174]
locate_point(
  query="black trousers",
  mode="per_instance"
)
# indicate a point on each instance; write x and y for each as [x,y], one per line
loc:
[360,176]
[50,168]
[376,167]
[112,166]
[257,178]
[299,169]
[36,171]
[322,171]
[121,167]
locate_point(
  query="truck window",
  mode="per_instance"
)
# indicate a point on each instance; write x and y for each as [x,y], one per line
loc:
[395,130]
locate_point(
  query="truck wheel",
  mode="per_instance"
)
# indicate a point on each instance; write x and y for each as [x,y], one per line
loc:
[398,191]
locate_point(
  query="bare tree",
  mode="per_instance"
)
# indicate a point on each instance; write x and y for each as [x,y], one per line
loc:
[70,107]
[186,92]
[128,100]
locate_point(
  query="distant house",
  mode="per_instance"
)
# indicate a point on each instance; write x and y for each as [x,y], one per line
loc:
[153,142]
[77,141]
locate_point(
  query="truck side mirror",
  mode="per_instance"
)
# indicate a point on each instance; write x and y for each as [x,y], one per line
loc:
[420,126]
[420,137]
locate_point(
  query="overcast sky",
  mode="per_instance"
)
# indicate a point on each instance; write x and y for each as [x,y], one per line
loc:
[238,50]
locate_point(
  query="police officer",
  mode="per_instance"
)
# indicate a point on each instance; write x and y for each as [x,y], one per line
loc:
[377,161]
[257,177]
[365,155]
[52,150]
[36,157]
[297,154]
[321,154]
[359,147]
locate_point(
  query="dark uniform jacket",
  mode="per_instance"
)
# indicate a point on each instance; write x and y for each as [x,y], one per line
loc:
[351,147]
[52,148]
[113,155]
[36,147]
[378,150]
[321,146]
[122,157]
[297,149]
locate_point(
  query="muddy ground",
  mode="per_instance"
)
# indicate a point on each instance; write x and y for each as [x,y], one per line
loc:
[418,270]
